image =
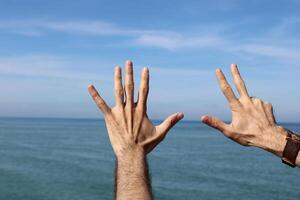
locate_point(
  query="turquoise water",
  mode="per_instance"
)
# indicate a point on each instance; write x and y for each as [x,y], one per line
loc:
[61,159]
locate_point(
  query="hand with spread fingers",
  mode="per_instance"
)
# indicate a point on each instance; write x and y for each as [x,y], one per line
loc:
[253,122]
[131,133]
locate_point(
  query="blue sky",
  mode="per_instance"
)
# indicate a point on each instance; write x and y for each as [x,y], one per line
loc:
[51,50]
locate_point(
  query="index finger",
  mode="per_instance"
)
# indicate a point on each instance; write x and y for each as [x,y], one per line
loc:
[226,89]
[144,88]
[119,92]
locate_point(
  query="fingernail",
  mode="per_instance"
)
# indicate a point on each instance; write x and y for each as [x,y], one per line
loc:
[180,115]
[204,118]
[233,65]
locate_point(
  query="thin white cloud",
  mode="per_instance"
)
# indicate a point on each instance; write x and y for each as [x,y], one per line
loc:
[155,38]
[267,45]
[181,72]
[50,66]
[178,41]
[282,29]
[87,27]
[45,66]
[286,53]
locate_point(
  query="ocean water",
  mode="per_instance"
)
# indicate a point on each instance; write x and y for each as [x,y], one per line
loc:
[67,159]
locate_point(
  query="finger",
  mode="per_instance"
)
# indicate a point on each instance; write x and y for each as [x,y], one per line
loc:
[238,81]
[98,100]
[166,125]
[119,93]
[226,89]
[258,103]
[144,89]
[215,123]
[129,84]
[270,112]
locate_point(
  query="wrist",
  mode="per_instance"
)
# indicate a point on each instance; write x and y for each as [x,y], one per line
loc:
[132,175]
[133,164]
[131,156]
[273,140]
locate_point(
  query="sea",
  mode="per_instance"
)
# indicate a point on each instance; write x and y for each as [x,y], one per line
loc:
[72,159]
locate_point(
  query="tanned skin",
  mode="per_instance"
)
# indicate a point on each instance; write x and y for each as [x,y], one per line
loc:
[131,133]
[253,122]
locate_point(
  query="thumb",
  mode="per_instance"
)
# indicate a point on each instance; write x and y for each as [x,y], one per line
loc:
[214,123]
[166,125]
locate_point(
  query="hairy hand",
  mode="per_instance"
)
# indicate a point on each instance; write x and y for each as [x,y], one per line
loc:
[128,125]
[253,122]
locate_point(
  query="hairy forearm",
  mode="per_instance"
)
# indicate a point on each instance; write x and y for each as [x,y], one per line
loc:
[132,178]
[275,141]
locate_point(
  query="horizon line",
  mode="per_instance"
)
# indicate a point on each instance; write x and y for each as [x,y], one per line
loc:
[91,118]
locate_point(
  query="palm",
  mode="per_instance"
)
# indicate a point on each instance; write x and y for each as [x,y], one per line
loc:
[127,123]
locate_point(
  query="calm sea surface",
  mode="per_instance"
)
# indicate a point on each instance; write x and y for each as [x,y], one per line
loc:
[61,159]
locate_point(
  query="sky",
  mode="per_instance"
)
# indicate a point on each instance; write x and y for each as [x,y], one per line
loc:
[51,50]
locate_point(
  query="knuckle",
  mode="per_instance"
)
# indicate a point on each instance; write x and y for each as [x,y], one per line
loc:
[129,71]
[269,105]
[257,102]
[214,123]
[118,77]
[225,87]
[119,92]
[229,134]
[101,103]
[261,103]
[144,90]
[94,95]
[130,86]
[254,100]
[244,143]
[235,106]
[234,137]
[170,122]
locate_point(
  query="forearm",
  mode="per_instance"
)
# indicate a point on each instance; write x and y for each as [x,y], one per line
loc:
[132,178]
[275,141]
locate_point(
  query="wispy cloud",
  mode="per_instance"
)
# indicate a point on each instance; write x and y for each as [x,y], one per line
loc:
[285,27]
[52,66]
[46,66]
[266,45]
[179,72]
[178,41]
[87,27]
[156,38]
[282,52]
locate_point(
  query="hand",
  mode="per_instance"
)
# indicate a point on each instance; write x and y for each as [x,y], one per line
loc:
[253,122]
[128,125]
